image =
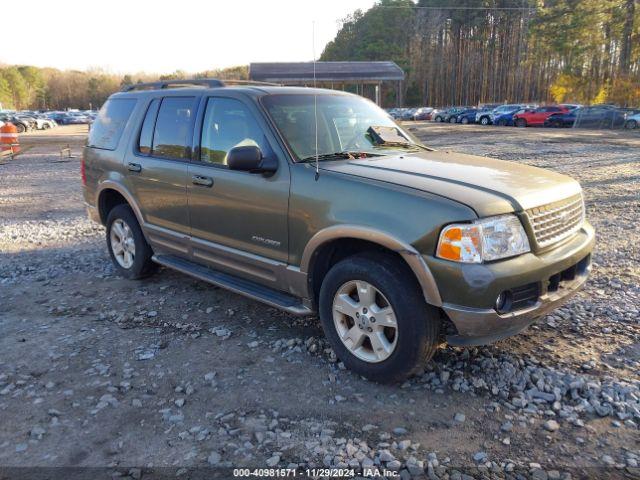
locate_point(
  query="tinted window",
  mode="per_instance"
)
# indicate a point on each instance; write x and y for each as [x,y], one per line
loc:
[108,127]
[227,123]
[146,133]
[171,138]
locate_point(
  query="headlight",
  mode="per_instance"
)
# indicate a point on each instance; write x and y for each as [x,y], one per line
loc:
[487,239]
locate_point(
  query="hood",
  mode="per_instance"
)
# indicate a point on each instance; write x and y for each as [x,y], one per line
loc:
[488,186]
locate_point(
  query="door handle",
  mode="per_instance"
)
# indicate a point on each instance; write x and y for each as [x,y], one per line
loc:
[203,181]
[134,167]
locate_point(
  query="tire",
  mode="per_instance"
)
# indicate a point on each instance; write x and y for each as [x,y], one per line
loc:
[452,120]
[632,124]
[46,126]
[484,121]
[141,264]
[20,128]
[464,121]
[410,344]
[521,122]
[439,119]
[502,122]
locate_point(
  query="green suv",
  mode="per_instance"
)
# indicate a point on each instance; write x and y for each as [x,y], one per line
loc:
[316,201]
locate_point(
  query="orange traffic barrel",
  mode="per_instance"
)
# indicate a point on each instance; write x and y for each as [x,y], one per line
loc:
[9,138]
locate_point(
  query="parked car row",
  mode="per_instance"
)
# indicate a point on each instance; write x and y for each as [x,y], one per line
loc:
[74,117]
[528,115]
[27,120]
[423,113]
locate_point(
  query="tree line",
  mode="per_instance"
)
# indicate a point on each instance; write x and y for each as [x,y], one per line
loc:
[33,88]
[464,52]
[458,52]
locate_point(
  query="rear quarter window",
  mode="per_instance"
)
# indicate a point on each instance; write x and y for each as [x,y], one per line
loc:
[108,127]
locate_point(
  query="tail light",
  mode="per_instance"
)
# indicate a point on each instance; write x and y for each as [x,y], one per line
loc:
[83,173]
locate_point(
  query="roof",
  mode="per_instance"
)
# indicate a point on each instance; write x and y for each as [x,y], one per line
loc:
[325,71]
[251,90]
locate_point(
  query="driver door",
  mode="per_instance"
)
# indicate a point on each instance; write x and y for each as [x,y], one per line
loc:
[238,219]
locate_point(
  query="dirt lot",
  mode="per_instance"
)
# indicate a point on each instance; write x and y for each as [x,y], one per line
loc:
[171,376]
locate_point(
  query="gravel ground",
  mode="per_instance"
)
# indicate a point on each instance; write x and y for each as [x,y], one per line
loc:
[171,376]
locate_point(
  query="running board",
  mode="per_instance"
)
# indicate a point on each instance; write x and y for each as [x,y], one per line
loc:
[250,289]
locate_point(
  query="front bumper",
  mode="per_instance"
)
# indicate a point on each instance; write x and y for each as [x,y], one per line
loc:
[480,327]
[469,306]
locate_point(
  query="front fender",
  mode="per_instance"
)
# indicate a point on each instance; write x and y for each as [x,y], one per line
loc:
[407,252]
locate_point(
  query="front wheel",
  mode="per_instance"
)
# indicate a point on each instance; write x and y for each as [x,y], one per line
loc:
[521,122]
[375,317]
[484,121]
[452,120]
[20,128]
[632,124]
[129,251]
[464,121]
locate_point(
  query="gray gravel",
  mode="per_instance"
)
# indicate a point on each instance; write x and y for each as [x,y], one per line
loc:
[171,372]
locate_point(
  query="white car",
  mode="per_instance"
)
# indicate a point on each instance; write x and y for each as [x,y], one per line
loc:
[43,123]
[633,121]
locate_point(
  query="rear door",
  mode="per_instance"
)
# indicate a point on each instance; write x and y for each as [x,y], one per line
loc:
[157,171]
[238,219]
[538,116]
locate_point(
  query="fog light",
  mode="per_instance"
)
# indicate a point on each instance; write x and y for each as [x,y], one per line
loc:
[503,302]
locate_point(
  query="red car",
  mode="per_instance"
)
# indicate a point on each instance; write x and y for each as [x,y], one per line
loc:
[537,116]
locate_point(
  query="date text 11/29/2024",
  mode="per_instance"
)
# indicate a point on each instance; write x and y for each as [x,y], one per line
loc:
[313,473]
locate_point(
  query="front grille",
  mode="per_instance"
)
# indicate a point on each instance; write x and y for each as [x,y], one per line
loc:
[556,221]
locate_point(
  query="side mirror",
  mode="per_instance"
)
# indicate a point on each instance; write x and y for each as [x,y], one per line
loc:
[249,158]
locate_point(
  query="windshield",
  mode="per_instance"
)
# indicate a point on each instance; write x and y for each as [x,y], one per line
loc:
[343,124]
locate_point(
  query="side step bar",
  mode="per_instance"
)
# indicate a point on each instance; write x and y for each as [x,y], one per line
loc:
[250,289]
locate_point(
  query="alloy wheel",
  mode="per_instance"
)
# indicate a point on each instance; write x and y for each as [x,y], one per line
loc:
[122,243]
[365,321]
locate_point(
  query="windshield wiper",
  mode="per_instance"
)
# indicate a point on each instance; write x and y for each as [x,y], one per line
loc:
[336,155]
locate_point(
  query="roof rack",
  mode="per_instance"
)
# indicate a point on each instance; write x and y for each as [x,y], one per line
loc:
[251,82]
[197,82]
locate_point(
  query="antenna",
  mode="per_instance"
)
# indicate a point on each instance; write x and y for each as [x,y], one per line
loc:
[315,96]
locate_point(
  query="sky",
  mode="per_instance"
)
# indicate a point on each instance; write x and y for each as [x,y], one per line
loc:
[160,36]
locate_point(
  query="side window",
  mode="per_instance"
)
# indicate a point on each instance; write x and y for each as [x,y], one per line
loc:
[107,129]
[227,123]
[172,135]
[146,133]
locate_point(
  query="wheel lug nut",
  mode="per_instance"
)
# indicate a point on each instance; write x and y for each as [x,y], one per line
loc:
[373,319]
[369,329]
[357,315]
[364,310]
